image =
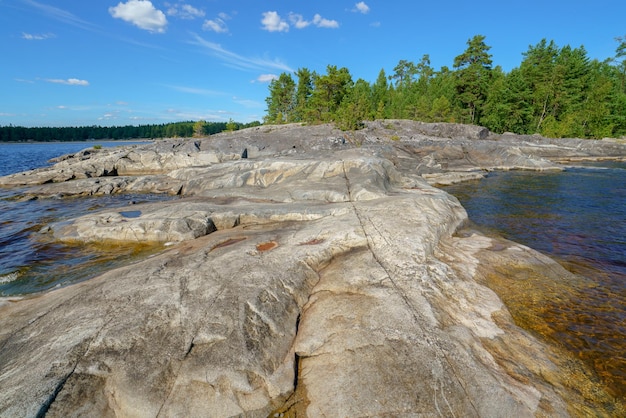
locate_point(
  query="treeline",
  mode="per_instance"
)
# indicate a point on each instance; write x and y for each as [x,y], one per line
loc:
[555,91]
[84,133]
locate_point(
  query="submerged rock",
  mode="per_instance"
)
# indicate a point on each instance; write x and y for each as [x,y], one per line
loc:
[321,280]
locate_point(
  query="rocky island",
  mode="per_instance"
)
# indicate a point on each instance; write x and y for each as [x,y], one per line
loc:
[308,272]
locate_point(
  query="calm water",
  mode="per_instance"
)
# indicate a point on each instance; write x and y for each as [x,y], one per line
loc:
[21,157]
[28,262]
[578,217]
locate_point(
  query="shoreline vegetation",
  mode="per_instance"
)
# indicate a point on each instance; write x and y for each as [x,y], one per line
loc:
[557,92]
[12,134]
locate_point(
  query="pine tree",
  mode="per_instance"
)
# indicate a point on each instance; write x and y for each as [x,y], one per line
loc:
[281,101]
[473,76]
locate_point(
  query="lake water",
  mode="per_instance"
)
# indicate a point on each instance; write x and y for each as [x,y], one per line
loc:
[578,217]
[29,263]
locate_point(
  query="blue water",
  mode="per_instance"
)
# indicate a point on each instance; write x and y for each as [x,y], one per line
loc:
[28,262]
[578,217]
[17,157]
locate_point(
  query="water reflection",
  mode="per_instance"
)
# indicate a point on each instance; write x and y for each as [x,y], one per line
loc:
[30,262]
[579,218]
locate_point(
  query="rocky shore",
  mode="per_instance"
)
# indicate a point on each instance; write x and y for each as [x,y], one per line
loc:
[308,272]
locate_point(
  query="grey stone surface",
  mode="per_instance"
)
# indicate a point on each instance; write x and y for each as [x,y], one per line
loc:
[320,276]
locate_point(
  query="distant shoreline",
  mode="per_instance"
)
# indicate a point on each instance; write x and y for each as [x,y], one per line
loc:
[78,142]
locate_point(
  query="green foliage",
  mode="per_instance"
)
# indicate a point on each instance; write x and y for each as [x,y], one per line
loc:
[473,77]
[281,103]
[84,133]
[97,146]
[404,73]
[198,128]
[555,91]
[232,126]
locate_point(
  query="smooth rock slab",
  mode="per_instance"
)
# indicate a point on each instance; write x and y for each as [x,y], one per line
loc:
[212,327]
[319,277]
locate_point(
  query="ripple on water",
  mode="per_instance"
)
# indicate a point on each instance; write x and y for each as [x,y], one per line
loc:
[10,277]
[579,218]
[30,262]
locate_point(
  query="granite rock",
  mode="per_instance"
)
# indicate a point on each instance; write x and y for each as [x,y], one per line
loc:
[320,276]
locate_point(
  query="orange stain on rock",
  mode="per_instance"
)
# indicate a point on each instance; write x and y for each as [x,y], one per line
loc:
[266,246]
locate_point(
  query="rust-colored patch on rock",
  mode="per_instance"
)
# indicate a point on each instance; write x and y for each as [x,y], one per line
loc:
[313,242]
[228,242]
[266,246]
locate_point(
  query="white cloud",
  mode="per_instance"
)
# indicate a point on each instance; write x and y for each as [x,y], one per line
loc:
[37,37]
[361,7]
[140,13]
[238,61]
[298,21]
[216,25]
[321,22]
[185,11]
[272,22]
[266,78]
[69,81]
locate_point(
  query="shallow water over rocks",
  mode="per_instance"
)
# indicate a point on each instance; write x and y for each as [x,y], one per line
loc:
[31,262]
[578,218]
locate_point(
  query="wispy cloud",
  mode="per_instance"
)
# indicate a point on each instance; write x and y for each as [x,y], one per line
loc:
[69,81]
[72,108]
[217,25]
[142,14]
[248,103]
[361,7]
[109,116]
[272,22]
[37,37]
[184,11]
[266,78]
[194,90]
[238,61]
[209,115]
[60,15]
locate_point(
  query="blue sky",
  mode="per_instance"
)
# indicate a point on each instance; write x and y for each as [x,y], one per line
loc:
[106,62]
